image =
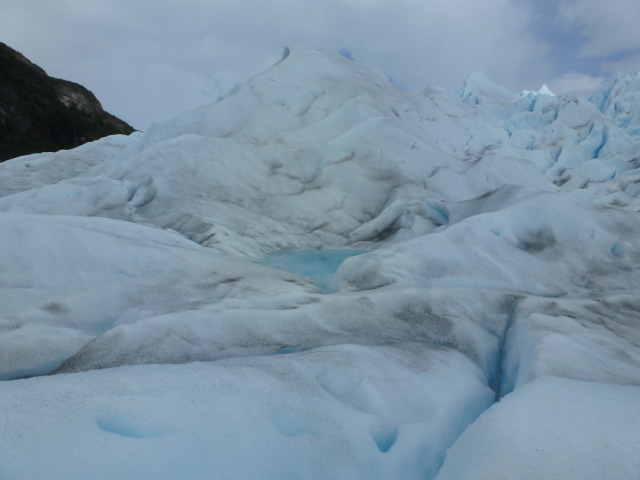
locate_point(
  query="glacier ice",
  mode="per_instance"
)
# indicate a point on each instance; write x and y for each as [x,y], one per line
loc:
[149,325]
[553,428]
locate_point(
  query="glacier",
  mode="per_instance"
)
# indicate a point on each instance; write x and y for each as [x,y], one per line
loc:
[321,275]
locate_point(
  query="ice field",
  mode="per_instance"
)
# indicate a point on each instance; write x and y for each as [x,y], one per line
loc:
[322,276]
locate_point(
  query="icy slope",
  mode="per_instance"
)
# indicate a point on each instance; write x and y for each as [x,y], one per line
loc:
[312,150]
[100,274]
[503,233]
[338,412]
[554,429]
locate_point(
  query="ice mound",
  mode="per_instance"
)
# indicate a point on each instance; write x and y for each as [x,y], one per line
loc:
[65,280]
[506,442]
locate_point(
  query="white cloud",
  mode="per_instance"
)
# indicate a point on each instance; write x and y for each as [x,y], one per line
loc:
[607,27]
[575,83]
[440,43]
[151,59]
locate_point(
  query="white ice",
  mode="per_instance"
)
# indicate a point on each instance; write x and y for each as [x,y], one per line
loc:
[554,429]
[332,413]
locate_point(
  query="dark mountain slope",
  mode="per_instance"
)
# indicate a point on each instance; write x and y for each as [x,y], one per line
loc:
[39,113]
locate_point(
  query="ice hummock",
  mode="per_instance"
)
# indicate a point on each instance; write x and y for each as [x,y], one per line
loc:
[504,241]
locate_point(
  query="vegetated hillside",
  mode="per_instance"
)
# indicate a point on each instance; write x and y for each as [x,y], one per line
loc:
[39,113]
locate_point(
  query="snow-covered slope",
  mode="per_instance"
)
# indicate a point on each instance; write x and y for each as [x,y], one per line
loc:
[499,246]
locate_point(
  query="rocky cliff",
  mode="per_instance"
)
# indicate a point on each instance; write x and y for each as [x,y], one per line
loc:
[39,113]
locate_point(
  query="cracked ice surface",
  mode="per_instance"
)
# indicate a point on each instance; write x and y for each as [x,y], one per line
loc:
[498,239]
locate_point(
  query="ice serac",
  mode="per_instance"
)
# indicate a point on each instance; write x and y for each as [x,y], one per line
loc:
[620,99]
[477,88]
[498,253]
[544,90]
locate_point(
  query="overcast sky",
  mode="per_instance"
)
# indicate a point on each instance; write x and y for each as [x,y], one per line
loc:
[149,60]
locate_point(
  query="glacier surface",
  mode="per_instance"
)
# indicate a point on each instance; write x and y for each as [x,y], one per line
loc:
[323,276]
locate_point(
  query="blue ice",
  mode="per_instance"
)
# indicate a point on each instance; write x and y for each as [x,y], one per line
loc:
[319,265]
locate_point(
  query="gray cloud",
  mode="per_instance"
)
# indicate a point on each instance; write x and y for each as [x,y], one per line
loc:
[151,59]
[580,84]
[606,27]
[630,63]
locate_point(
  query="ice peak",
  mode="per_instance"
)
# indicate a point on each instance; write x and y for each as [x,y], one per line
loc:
[478,77]
[544,90]
[287,91]
[478,88]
